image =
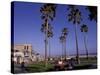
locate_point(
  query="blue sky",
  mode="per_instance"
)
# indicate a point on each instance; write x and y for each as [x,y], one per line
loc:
[27,25]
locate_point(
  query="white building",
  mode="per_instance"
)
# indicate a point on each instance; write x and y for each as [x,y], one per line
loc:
[23,53]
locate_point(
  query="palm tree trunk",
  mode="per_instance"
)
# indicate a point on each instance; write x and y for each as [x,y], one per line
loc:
[62,50]
[85,46]
[77,50]
[65,48]
[49,49]
[46,42]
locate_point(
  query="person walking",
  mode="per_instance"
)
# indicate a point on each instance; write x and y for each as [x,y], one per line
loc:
[23,66]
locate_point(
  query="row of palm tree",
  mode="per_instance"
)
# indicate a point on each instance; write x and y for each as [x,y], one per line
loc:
[48,12]
[64,34]
[75,17]
[50,35]
[63,41]
[84,29]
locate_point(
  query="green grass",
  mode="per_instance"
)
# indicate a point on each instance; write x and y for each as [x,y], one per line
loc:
[84,63]
[39,67]
[91,60]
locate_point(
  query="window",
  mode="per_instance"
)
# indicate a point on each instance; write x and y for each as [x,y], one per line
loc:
[27,47]
[24,47]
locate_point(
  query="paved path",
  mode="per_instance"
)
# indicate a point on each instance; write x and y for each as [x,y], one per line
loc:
[17,69]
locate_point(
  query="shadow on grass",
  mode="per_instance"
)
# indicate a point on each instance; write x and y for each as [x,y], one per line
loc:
[87,66]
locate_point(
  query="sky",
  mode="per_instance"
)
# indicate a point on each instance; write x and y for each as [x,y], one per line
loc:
[27,25]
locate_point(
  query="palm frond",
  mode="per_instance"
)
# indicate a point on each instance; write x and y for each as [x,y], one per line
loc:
[84,28]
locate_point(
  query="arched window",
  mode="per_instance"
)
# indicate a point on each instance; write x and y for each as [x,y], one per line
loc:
[27,47]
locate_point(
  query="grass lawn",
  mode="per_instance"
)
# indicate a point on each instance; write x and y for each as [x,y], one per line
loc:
[91,60]
[86,64]
[39,67]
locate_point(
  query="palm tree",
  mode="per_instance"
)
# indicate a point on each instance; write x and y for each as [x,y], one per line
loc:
[75,17]
[63,40]
[65,32]
[50,35]
[48,13]
[92,15]
[84,29]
